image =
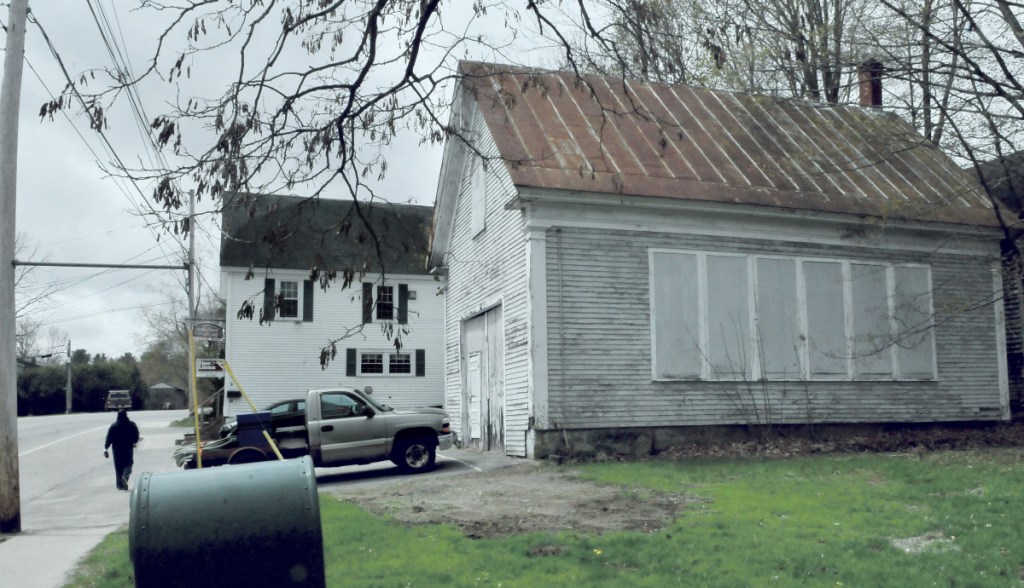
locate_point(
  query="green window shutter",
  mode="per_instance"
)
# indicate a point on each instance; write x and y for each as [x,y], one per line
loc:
[307,301]
[350,362]
[403,303]
[268,299]
[421,362]
[367,302]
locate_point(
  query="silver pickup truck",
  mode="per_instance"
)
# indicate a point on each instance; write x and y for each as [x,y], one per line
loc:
[343,426]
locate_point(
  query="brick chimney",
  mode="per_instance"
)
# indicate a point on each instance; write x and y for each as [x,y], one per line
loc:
[869,77]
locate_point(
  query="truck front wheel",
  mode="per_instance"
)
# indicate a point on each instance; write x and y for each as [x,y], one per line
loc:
[415,455]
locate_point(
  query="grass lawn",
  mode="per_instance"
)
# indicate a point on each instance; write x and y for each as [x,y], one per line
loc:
[937,519]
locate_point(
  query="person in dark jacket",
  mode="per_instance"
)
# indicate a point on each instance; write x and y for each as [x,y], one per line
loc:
[122,435]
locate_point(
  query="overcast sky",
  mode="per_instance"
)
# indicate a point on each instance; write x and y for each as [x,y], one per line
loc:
[69,211]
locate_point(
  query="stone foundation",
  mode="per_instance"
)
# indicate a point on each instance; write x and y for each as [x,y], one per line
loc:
[648,441]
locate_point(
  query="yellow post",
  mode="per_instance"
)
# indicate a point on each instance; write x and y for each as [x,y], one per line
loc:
[195,396]
[231,374]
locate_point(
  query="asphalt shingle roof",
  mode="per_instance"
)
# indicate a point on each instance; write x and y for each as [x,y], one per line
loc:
[290,232]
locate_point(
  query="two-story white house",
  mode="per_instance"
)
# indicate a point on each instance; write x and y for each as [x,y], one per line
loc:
[324,292]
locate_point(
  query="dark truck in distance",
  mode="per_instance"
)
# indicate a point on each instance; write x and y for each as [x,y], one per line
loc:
[118,399]
[343,426]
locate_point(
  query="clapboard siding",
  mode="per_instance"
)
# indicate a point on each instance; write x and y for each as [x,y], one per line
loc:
[282,360]
[600,342]
[484,270]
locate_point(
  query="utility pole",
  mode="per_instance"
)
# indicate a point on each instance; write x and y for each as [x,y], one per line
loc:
[67,389]
[10,106]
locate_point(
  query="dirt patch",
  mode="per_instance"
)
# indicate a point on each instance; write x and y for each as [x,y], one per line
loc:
[523,498]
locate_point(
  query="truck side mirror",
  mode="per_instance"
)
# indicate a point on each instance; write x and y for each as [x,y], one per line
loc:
[367,412]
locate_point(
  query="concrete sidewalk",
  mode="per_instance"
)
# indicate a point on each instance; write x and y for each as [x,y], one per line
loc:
[45,559]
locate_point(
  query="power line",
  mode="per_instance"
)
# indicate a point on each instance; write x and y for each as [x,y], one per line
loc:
[150,209]
[105,142]
[109,310]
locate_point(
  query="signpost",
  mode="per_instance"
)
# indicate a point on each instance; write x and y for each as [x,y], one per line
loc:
[201,368]
[208,331]
[209,368]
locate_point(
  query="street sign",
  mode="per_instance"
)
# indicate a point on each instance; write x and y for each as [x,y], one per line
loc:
[207,332]
[209,368]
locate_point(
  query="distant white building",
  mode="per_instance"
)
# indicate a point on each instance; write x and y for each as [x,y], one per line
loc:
[307,281]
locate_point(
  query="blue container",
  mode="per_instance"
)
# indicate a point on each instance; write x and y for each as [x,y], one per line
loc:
[251,427]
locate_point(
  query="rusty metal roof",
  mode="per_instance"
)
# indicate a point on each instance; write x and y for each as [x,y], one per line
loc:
[608,135]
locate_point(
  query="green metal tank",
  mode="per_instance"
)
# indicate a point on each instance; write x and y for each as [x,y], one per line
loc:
[242,525]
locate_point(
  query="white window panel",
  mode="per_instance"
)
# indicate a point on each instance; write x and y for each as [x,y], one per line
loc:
[778,340]
[728,317]
[912,312]
[675,316]
[872,355]
[826,319]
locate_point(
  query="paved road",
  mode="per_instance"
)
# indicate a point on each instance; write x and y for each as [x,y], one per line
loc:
[69,501]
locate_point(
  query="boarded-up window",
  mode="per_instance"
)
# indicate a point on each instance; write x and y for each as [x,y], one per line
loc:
[912,311]
[872,356]
[727,317]
[778,338]
[728,314]
[826,322]
[674,316]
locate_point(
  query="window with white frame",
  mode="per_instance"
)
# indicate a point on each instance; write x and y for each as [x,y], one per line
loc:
[385,302]
[399,363]
[371,363]
[379,362]
[289,300]
[729,317]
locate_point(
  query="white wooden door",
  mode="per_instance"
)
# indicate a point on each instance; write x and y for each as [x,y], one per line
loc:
[483,381]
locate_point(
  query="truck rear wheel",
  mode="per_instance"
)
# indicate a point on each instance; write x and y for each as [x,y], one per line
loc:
[415,455]
[246,455]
